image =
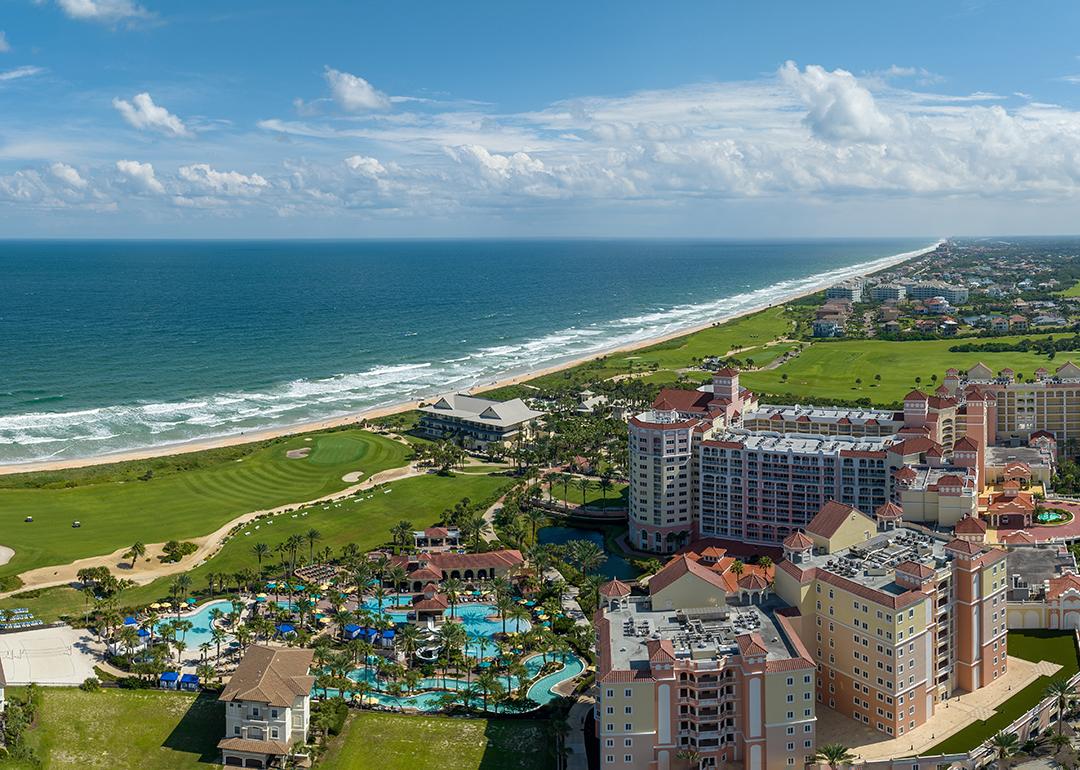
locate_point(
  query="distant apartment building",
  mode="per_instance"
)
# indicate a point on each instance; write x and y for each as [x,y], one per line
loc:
[267,706]
[897,620]
[475,421]
[952,293]
[1018,410]
[883,292]
[851,290]
[697,666]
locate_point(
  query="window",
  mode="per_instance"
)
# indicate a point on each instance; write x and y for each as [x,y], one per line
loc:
[628,693]
[273,713]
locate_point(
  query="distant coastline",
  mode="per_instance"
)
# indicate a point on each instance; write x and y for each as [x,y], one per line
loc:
[819,282]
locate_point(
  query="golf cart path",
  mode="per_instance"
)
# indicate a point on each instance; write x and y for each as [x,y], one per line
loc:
[149,568]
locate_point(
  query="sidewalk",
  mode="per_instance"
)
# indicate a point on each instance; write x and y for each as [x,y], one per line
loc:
[576,758]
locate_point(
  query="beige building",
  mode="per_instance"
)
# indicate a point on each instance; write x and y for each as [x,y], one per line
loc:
[267,706]
[1018,409]
[896,620]
[691,667]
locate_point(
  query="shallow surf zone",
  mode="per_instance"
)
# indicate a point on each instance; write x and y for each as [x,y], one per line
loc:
[60,435]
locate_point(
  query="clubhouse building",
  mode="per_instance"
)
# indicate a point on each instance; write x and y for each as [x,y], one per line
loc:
[476,421]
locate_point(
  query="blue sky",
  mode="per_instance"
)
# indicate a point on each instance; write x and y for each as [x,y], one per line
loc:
[139,118]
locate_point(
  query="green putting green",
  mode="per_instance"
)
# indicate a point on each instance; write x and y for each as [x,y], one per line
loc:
[178,502]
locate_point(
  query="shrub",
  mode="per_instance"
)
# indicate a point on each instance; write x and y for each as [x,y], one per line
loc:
[176,550]
[90,684]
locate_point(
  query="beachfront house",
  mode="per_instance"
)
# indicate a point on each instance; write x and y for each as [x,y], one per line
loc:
[475,421]
[267,706]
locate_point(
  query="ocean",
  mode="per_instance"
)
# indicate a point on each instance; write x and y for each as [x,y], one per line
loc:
[108,346]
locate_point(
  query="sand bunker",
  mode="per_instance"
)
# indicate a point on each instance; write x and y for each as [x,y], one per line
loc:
[348,478]
[6,554]
[298,454]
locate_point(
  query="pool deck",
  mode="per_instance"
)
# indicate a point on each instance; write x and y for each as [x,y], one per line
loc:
[949,718]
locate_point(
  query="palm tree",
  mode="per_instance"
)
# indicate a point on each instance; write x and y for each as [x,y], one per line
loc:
[691,757]
[217,636]
[834,754]
[401,532]
[313,536]
[1005,746]
[136,552]
[764,562]
[1062,692]
[605,487]
[453,588]
[488,684]
[737,568]
[261,551]
[583,485]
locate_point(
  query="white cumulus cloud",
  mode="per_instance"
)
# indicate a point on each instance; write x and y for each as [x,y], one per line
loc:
[143,114]
[839,109]
[102,10]
[67,175]
[141,174]
[365,166]
[223,182]
[354,93]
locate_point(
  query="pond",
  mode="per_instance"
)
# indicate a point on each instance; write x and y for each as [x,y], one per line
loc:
[615,566]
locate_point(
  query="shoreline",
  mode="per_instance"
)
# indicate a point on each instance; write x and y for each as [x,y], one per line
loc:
[353,418]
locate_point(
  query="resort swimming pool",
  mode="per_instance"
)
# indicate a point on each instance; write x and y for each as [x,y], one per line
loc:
[540,691]
[200,624]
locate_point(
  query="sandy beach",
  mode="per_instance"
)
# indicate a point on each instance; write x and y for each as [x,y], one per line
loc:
[356,417]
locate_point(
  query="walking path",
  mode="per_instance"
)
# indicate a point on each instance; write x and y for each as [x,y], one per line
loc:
[957,713]
[576,758]
[149,568]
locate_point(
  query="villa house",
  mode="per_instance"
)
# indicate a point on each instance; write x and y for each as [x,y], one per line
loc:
[267,706]
[476,421]
[425,568]
[437,537]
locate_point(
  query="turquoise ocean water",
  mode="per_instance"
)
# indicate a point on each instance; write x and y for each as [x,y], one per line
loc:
[114,345]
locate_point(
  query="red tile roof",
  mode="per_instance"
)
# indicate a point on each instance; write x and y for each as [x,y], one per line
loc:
[964,547]
[889,510]
[970,525]
[749,646]
[660,650]
[679,566]
[909,567]
[797,541]
[1061,584]
[916,395]
[1019,536]
[753,582]
[687,401]
[614,589]
[966,444]
[488,560]
[829,518]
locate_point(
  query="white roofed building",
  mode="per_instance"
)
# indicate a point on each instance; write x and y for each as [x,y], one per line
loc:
[476,421]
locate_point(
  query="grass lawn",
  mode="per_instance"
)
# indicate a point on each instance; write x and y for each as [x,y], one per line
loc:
[180,503]
[125,730]
[366,522]
[751,331]
[1072,291]
[1054,646]
[616,496]
[829,369]
[405,742]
